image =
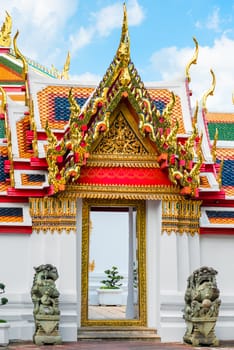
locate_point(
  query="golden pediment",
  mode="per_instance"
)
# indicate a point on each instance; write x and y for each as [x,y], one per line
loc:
[123,144]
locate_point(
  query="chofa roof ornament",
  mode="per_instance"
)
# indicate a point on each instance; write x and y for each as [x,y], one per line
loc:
[66,67]
[192,61]
[209,92]
[5,32]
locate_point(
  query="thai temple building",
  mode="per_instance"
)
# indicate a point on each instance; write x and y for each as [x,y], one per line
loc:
[126,173]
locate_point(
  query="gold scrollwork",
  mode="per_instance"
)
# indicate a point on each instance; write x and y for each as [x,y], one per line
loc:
[120,140]
[181,216]
[122,192]
[52,214]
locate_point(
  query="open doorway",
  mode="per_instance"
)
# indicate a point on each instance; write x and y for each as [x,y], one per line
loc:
[113,250]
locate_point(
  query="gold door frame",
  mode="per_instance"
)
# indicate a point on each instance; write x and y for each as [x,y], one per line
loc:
[141,255]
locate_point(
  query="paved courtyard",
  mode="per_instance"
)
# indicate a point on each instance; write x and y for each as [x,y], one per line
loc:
[115,345]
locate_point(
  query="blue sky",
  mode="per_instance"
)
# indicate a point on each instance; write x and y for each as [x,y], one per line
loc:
[161,35]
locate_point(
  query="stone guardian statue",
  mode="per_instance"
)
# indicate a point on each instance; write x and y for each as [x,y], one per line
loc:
[45,297]
[201,307]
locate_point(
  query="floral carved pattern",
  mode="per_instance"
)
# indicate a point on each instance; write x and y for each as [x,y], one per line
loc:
[120,139]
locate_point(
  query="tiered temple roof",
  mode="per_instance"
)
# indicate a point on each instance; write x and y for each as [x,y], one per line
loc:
[122,138]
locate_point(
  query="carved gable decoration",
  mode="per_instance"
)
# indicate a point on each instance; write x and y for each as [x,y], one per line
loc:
[123,143]
[120,139]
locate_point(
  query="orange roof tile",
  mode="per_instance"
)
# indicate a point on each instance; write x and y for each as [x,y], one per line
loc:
[165,96]
[220,117]
[7,75]
[221,220]
[225,153]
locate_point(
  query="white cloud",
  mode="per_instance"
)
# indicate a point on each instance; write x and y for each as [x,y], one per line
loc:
[46,15]
[44,26]
[213,21]
[107,19]
[82,38]
[41,25]
[171,63]
[86,78]
[104,21]
[135,13]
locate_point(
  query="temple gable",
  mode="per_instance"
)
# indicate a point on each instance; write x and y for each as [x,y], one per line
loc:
[122,143]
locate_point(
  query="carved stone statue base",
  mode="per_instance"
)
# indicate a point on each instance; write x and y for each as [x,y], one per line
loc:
[200,332]
[43,340]
[47,330]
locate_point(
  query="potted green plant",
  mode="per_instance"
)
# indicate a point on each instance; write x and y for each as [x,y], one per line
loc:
[4,325]
[111,292]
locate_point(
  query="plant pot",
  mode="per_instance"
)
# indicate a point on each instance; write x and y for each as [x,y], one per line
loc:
[110,296]
[4,333]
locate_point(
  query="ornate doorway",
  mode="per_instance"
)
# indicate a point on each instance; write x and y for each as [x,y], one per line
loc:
[111,228]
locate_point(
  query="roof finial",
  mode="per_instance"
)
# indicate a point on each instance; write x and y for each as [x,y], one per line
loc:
[5,32]
[65,72]
[210,92]
[19,55]
[123,52]
[192,61]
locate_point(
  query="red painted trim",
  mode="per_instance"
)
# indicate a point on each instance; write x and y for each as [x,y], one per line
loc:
[34,164]
[38,163]
[4,50]
[208,168]
[14,88]
[216,231]
[124,176]
[212,195]
[41,135]
[218,203]
[23,230]
[30,193]
[7,199]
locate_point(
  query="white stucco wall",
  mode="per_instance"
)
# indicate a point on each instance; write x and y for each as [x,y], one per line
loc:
[180,256]
[19,254]
[170,260]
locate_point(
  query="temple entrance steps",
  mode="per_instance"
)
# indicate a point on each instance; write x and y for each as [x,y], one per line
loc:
[117,333]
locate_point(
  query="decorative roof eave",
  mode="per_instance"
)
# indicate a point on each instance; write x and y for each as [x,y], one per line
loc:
[66,158]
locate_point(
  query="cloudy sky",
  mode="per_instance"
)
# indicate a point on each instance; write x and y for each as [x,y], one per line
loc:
[161,35]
